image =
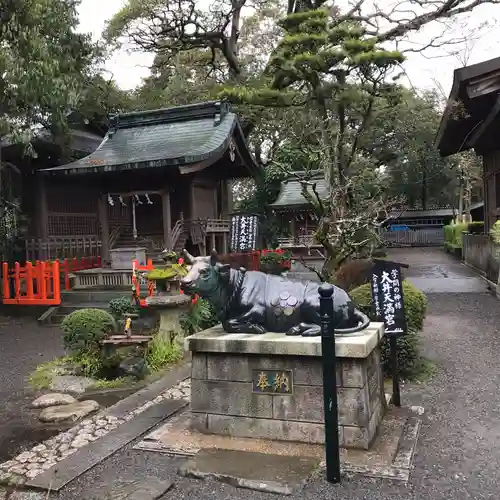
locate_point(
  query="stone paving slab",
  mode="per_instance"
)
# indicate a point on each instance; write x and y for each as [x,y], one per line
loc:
[143,488]
[391,455]
[84,459]
[284,475]
[21,495]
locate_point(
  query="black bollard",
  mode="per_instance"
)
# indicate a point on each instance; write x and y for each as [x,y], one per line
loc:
[332,454]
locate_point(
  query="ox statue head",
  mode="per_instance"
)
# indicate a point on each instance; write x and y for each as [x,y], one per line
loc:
[206,276]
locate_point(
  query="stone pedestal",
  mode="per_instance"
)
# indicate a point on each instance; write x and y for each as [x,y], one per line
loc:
[170,308]
[270,386]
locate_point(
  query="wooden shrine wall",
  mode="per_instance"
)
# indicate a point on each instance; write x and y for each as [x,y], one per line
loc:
[72,211]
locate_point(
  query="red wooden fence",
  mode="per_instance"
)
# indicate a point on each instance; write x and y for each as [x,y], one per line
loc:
[69,266]
[37,284]
[40,283]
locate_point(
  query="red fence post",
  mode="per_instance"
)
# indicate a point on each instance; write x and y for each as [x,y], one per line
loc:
[56,282]
[43,282]
[29,281]
[5,280]
[17,280]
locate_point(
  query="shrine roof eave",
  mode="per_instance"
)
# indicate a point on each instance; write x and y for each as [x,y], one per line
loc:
[472,99]
[178,137]
[291,197]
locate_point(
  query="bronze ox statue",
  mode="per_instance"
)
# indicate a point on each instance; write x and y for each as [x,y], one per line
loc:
[254,302]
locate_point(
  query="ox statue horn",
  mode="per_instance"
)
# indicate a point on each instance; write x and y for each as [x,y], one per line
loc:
[188,257]
[213,257]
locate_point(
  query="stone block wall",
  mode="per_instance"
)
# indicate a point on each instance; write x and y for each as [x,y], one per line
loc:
[223,402]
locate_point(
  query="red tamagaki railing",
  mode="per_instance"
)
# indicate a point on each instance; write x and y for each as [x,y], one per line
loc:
[39,283]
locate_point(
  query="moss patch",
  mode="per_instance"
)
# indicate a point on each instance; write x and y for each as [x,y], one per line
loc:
[171,272]
[113,384]
[42,377]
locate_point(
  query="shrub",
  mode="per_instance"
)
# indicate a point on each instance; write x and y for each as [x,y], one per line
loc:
[415,302]
[201,316]
[161,352]
[453,235]
[353,273]
[85,328]
[122,305]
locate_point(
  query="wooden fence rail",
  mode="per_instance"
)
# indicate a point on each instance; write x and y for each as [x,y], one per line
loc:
[64,247]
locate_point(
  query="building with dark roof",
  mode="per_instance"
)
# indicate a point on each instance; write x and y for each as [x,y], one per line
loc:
[295,211]
[158,179]
[471,120]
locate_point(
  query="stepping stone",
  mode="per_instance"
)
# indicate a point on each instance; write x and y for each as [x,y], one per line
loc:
[146,488]
[53,399]
[284,475]
[71,383]
[71,412]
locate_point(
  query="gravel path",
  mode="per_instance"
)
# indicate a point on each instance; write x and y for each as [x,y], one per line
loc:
[458,454]
[23,346]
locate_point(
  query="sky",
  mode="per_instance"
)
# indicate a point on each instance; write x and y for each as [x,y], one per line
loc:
[432,70]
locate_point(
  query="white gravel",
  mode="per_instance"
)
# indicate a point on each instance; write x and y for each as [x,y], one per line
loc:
[43,456]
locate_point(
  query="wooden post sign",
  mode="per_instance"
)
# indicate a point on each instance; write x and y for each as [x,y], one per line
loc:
[389,308]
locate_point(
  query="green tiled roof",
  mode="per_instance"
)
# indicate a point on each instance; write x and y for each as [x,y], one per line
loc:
[291,193]
[167,137]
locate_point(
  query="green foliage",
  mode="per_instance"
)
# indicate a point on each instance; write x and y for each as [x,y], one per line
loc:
[103,384]
[85,328]
[453,235]
[200,317]
[495,232]
[173,271]
[161,353]
[415,301]
[275,257]
[122,305]
[90,362]
[43,64]
[42,377]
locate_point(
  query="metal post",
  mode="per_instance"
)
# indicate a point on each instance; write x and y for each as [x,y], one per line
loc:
[332,454]
[396,395]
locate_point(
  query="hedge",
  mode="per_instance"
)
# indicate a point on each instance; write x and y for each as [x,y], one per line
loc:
[85,328]
[453,233]
[408,345]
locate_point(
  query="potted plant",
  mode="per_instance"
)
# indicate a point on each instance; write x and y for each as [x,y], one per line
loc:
[167,277]
[275,261]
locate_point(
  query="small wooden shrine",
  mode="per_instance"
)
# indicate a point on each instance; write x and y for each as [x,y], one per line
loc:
[295,212]
[159,179]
